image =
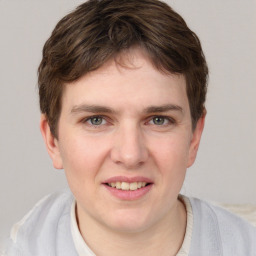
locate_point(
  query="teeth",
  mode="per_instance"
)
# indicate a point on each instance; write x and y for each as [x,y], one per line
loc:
[127,186]
[118,185]
[133,186]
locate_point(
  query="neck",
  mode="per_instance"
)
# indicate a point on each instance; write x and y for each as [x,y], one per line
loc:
[163,238]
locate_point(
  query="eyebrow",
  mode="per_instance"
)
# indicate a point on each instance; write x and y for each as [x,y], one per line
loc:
[164,108]
[102,109]
[92,109]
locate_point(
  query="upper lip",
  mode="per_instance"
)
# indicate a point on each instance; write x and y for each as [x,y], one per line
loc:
[128,179]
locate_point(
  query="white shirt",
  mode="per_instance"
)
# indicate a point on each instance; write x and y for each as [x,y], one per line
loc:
[50,229]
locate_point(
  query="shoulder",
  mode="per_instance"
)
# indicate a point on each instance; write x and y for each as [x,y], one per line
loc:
[230,234]
[36,231]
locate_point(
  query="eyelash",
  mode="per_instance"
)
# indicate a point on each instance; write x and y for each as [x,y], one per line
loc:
[90,118]
[170,120]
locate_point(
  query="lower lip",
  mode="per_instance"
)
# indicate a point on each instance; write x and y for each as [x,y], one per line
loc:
[129,194]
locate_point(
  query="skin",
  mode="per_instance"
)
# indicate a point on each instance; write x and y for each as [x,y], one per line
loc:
[127,140]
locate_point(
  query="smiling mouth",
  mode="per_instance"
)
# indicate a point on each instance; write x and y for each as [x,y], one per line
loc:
[128,186]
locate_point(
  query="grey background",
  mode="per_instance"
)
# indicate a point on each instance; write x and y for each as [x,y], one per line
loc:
[225,168]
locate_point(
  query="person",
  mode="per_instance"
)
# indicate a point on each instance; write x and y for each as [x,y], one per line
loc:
[122,87]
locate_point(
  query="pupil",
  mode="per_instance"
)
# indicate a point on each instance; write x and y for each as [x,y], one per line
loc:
[96,120]
[158,120]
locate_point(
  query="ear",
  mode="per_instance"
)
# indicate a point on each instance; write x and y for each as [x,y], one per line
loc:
[195,141]
[51,143]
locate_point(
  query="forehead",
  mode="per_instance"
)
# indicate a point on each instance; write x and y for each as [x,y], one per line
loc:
[129,80]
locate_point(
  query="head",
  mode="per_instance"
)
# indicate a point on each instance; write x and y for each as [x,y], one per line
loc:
[122,88]
[98,31]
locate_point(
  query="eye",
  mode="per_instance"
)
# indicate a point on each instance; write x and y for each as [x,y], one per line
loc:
[161,120]
[96,120]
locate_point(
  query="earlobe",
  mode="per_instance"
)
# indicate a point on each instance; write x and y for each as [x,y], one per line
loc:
[195,141]
[51,143]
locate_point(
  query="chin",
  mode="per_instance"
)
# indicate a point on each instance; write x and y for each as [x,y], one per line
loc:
[127,221]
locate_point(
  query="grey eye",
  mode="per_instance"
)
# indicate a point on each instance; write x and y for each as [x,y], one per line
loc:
[158,120]
[97,120]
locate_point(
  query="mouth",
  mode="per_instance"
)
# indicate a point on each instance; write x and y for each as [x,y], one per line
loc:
[126,186]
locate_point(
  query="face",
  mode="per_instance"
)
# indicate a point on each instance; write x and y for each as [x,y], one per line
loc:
[125,141]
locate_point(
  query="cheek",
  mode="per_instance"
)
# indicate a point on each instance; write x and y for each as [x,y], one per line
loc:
[171,162]
[82,160]
[172,152]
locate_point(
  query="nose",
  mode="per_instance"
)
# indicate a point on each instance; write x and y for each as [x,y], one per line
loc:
[129,147]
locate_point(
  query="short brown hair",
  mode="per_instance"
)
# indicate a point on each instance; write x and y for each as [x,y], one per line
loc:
[99,30]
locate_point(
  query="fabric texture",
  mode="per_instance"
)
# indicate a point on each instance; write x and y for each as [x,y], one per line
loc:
[218,232]
[246,211]
[46,231]
[184,250]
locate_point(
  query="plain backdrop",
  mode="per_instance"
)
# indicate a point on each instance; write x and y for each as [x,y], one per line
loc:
[225,170]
